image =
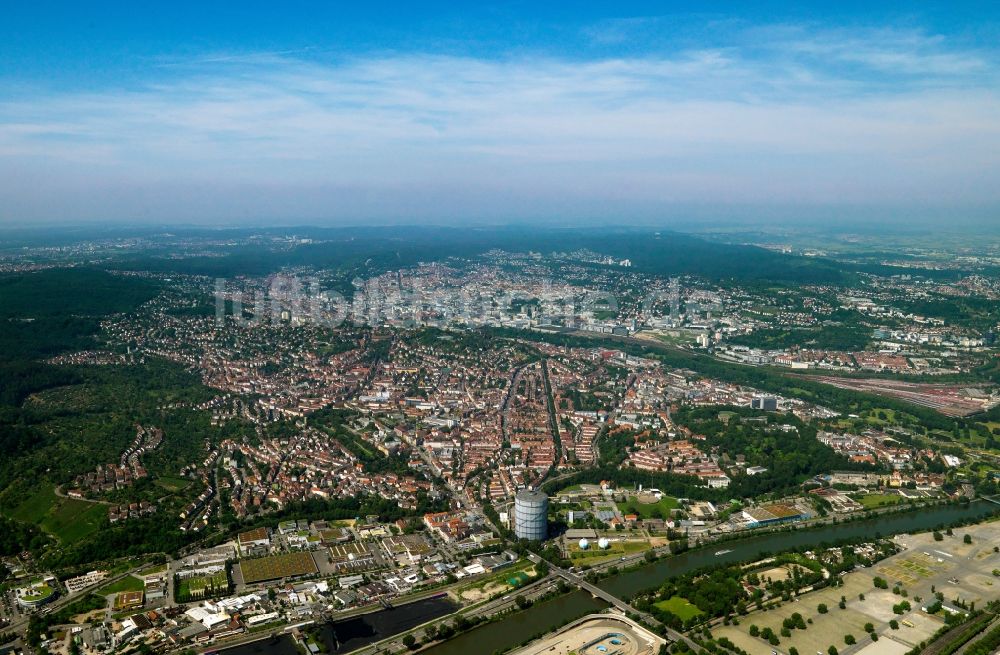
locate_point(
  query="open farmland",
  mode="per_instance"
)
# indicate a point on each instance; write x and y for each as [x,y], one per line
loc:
[275,567]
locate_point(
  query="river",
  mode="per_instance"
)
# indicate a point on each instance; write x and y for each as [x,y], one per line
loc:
[353,633]
[515,629]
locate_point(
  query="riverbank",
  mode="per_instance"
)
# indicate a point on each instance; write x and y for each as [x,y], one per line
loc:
[511,631]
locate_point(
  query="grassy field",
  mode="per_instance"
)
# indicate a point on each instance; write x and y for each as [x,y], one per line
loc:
[36,506]
[68,519]
[172,484]
[73,519]
[871,501]
[679,607]
[129,583]
[595,555]
[501,582]
[659,509]
[517,573]
[873,417]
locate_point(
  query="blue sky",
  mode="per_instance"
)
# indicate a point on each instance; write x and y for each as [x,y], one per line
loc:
[581,113]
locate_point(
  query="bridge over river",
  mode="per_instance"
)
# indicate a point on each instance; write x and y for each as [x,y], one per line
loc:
[614,601]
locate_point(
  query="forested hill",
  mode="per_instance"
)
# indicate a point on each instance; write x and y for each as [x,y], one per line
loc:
[70,292]
[374,250]
[50,311]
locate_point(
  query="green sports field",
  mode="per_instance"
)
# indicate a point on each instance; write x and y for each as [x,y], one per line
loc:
[679,607]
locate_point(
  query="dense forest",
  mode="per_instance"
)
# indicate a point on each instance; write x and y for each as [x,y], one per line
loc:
[81,420]
[64,292]
[16,537]
[843,337]
[44,313]
[65,431]
[978,313]
[50,311]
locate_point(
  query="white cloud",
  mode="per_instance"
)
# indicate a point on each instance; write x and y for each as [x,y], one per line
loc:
[894,51]
[391,134]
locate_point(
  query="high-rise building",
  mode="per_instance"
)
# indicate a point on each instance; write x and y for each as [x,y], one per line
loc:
[675,299]
[766,403]
[531,509]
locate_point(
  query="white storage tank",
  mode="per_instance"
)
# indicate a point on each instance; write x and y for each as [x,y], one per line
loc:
[584,544]
[531,509]
[603,543]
